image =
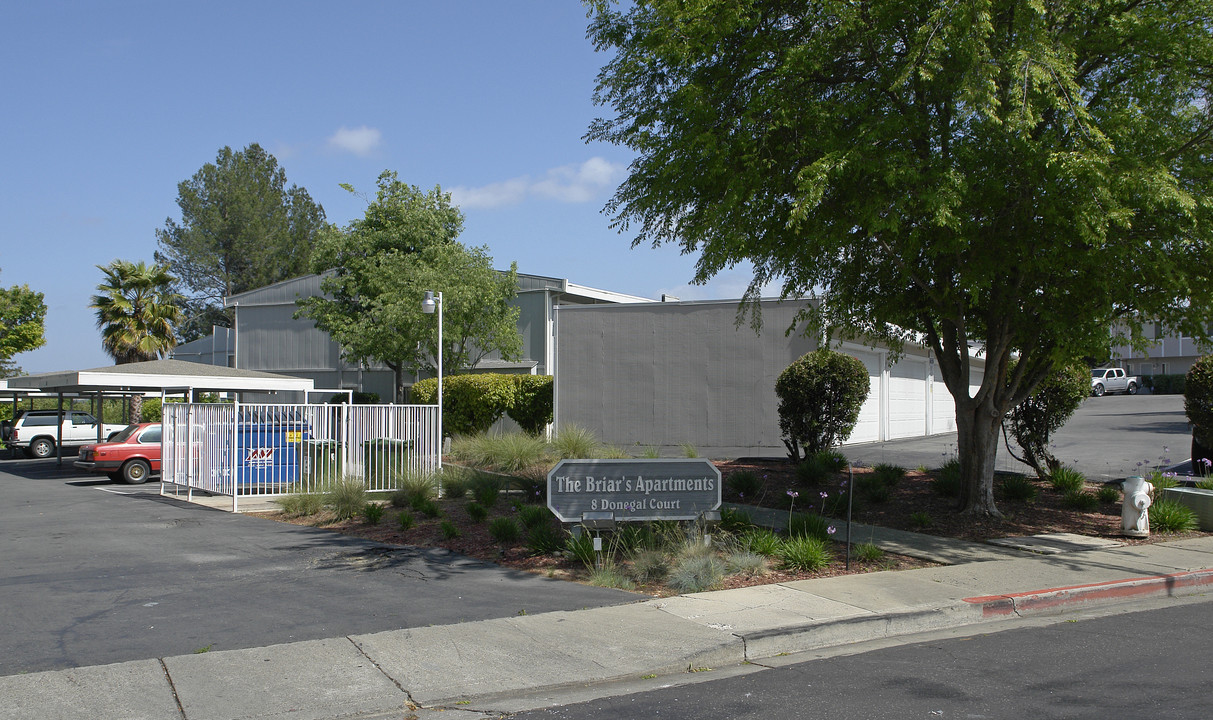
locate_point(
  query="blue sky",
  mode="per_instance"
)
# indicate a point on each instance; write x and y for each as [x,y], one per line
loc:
[108,106]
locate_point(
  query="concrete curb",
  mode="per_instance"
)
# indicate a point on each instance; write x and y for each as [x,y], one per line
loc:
[1114,591]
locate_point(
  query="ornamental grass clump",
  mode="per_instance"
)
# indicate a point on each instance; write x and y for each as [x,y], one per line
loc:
[946,482]
[532,516]
[1169,515]
[1108,493]
[346,497]
[1066,479]
[761,541]
[504,530]
[301,504]
[649,565]
[1080,500]
[696,573]
[372,513]
[1018,488]
[890,475]
[544,539]
[804,554]
[476,512]
[572,441]
[745,564]
[745,484]
[808,525]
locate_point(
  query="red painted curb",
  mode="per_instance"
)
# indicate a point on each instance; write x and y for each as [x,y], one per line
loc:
[1044,600]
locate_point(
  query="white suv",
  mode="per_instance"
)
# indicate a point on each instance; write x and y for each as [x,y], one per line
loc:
[35,433]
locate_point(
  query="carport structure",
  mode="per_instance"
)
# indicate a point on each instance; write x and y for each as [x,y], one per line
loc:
[240,449]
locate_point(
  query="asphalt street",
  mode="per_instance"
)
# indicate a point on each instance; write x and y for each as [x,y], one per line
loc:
[93,572]
[1149,664]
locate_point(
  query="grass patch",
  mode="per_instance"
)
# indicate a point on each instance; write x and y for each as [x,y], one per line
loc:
[1066,479]
[806,554]
[1018,488]
[1172,516]
[346,497]
[573,441]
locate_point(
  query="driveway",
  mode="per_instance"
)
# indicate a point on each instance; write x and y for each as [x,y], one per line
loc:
[92,572]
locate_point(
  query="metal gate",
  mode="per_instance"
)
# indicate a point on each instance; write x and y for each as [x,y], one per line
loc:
[244,450]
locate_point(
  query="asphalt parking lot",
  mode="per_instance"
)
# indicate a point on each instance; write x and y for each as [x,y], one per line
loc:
[93,572]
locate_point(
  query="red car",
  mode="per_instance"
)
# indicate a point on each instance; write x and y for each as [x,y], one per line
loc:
[131,456]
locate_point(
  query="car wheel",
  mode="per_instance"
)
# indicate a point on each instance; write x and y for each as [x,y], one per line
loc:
[1097,391]
[116,476]
[135,472]
[1132,388]
[42,448]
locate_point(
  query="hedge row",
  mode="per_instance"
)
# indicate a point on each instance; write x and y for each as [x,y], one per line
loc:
[472,403]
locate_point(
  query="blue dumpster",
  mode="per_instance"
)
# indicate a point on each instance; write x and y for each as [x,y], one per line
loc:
[267,454]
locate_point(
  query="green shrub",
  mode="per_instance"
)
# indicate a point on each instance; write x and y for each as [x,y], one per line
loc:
[572,441]
[1161,481]
[761,541]
[544,539]
[372,512]
[1198,401]
[533,403]
[868,552]
[610,576]
[805,554]
[449,530]
[406,520]
[346,497]
[872,489]
[476,511]
[1080,500]
[1033,421]
[301,504]
[808,525]
[486,489]
[1017,488]
[422,485]
[820,396]
[734,521]
[582,549]
[819,467]
[649,565]
[532,516]
[470,403]
[428,508]
[745,484]
[890,475]
[454,484]
[504,530]
[1165,384]
[697,573]
[1108,493]
[1067,479]
[745,563]
[921,520]
[946,482]
[1168,515]
[1205,484]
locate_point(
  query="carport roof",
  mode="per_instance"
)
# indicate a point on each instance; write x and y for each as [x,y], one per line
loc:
[160,375]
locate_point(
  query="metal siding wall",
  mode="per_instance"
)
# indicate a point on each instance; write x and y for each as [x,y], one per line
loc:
[674,373]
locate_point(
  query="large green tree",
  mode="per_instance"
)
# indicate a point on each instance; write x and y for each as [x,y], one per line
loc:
[378,270]
[22,314]
[241,228]
[1000,178]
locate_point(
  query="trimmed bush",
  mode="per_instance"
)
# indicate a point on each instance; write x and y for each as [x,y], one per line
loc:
[470,403]
[820,396]
[1033,421]
[1198,404]
[1165,384]
[533,403]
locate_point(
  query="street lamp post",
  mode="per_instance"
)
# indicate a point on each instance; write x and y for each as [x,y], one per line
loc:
[431,301]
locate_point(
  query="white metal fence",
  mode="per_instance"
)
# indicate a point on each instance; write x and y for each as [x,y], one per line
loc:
[246,450]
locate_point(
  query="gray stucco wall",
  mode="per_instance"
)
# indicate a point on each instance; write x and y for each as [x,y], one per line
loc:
[670,373]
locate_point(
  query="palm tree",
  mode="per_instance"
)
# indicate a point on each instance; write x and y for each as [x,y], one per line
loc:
[137,312]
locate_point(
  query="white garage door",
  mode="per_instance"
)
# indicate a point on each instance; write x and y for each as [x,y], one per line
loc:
[908,399]
[867,429]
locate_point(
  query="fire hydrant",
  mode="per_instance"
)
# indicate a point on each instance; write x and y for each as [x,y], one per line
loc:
[1135,513]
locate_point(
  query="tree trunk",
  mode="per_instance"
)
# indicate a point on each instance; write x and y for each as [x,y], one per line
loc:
[977,431]
[136,408]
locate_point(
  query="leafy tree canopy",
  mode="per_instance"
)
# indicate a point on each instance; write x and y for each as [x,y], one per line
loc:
[22,314]
[241,228]
[1010,174]
[378,270]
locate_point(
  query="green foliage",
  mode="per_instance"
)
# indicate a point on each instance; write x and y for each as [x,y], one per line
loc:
[22,314]
[696,573]
[532,516]
[1080,500]
[921,520]
[476,512]
[470,403]
[241,228]
[804,553]
[1032,422]
[533,403]
[137,311]
[734,521]
[888,474]
[1108,493]
[346,497]
[931,172]
[819,467]
[504,530]
[1161,480]
[868,552]
[573,442]
[820,396]
[544,539]
[486,489]
[689,450]
[455,483]
[745,484]
[406,520]
[1205,484]
[746,564]
[414,486]
[649,565]
[610,576]
[1165,384]
[582,549]
[449,530]
[1168,515]
[1066,479]
[427,507]
[1018,488]
[372,513]
[301,504]
[946,482]
[1198,400]
[808,525]
[376,273]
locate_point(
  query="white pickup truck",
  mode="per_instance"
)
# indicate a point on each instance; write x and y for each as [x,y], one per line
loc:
[1113,380]
[35,431]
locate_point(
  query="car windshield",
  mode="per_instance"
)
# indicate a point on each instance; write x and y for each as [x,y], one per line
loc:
[125,433]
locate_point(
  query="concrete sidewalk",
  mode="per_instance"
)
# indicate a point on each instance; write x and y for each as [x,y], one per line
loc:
[480,668]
